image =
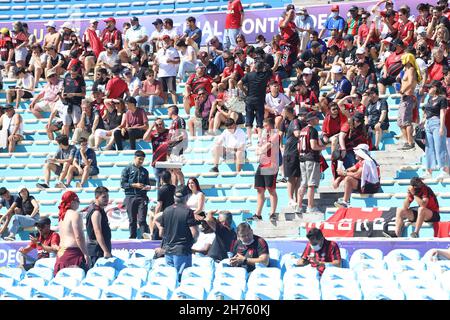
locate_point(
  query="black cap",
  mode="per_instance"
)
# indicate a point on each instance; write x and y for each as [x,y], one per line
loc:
[315,44]
[130,100]
[372,90]
[349,37]
[181,191]
[311,116]
[353,8]
[358,116]
[398,42]
[43,222]
[302,111]
[157,21]
[299,64]
[134,19]
[8,106]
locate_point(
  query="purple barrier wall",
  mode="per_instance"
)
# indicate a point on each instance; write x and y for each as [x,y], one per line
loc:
[263,21]
[9,253]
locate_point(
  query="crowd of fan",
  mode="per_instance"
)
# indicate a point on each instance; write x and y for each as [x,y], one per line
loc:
[232,84]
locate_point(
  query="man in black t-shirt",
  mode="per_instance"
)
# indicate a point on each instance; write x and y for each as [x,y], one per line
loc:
[102,80]
[165,199]
[376,115]
[179,230]
[224,234]
[254,84]
[313,58]
[248,249]
[348,55]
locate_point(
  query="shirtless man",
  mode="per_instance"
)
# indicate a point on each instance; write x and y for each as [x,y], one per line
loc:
[52,38]
[73,251]
[405,113]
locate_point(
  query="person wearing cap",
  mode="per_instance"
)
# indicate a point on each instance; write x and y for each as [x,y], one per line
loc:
[350,105]
[170,30]
[320,252]
[107,59]
[12,125]
[342,87]
[46,99]
[334,21]
[29,214]
[436,132]
[203,103]
[309,149]
[233,23]
[248,250]
[92,46]
[156,36]
[353,22]
[392,66]
[364,79]
[45,241]
[290,128]
[52,37]
[305,25]
[178,227]
[84,164]
[313,57]
[133,126]
[192,31]
[363,177]
[55,61]
[211,69]
[111,35]
[116,87]
[376,116]
[168,59]
[136,35]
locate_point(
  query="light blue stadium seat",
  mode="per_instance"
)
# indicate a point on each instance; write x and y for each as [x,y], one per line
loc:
[45,263]
[160,262]
[263,292]
[140,274]
[402,254]
[375,275]
[18,293]
[438,267]
[68,283]
[427,294]
[292,292]
[164,275]
[99,282]
[6,283]
[14,273]
[445,281]
[226,292]
[384,293]
[169,283]
[257,5]
[338,274]
[405,265]
[144,253]
[197,272]
[118,292]
[365,254]
[203,262]
[33,282]
[341,294]
[301,273]
[50,292]
[368,264]
[74,273]
[181,10]
[153,292]
[121,254]
[188,292]
[105,272]
[132,282]
[141,262]
[85,293]
[196,9]
[275,257]
[114,262]
[344,257]
[265,274]
[288,260]
[43,273]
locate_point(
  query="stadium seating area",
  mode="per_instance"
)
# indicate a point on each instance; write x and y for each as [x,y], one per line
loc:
[400,274]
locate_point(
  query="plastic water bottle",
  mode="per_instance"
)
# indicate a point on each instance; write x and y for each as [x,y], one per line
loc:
[230,254]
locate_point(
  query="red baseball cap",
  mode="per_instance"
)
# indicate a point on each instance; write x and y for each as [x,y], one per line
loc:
[335,8]
[110,19]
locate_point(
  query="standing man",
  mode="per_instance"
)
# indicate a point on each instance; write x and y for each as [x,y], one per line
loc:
[233,23]
[158,135]
[411,77]
[111,35]
[178,142]
[97,227]
[225,235]
[305,25]
[179,231]
[334,21]
[309,151]
[168,59]
[73,251]
[268,150]
[136,182]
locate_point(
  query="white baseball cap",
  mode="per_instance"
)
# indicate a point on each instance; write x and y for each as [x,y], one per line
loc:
[421,30]
[336,69]
[93,21]
[50,24]
[307,71]
[360,50]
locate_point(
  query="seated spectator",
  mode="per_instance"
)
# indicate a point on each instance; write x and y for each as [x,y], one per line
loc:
[133,82]
[364,79]
[133,126]
[220,113]
[28,216]
[216,50]
[231,74]
[23,89]
[392,67]
[101,80]
[363,177]
[150,93]
[441,254]
[439,66]
[203,105]
[55,61]
[248,249]
[368,33]
[116,88]
[330,59]
[320,252]
[350,105]
[75,60]
[188,59]
[196,198]
[112,118]
[37,63]
[84,164]
[211,69]
[6,49]
[89,122]
[348,53]
[230,145]
[224,234]
[341,88]
[55,122]
[427,211]
[97,102]
[376,115]
[334,123]
[20,41]
[11,123]
[194,83]
[106,59]
[313,57]
[59,163]
[206,237]
[92,46]
[7,199]
[276,101]
[46,99]
[69,40]
[46,242]
[305,97]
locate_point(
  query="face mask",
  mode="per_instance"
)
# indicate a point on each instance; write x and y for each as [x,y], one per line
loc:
[317,247]
[135,27]
[302,18]
[349,14]
[248,243]
[335,14]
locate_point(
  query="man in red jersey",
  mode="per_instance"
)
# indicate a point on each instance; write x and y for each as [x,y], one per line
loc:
[233,23]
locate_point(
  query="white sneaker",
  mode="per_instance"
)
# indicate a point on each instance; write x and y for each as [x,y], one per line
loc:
[292,203]
[426,175]
[311,210]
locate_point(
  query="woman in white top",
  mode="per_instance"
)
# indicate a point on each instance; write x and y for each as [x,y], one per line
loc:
[37,62]
[276,101]
[196,200]
[11,128]
[188,59]
[23,89]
